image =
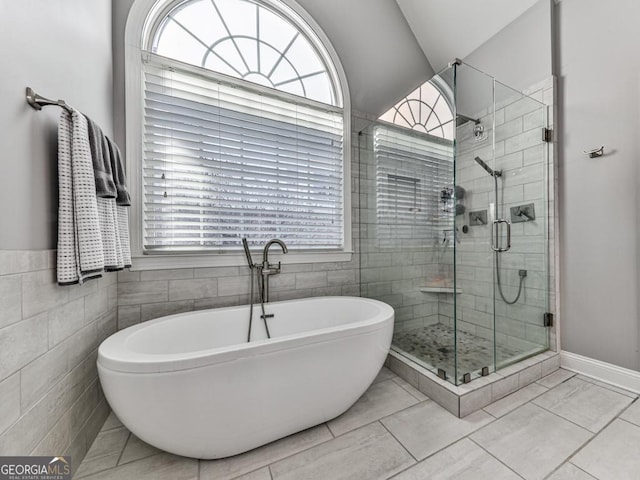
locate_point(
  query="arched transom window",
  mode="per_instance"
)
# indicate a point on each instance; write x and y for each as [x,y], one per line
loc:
[425,110]
[244,122]
[245,39]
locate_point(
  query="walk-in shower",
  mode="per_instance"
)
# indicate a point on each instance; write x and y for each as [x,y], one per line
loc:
[454,223]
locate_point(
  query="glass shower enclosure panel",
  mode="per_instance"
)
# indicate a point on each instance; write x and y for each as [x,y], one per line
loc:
[453,223]
[407,233]
[521,274]
[501,265]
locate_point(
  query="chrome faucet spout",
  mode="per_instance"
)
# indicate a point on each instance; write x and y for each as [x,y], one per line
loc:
[265,255]
[267,268]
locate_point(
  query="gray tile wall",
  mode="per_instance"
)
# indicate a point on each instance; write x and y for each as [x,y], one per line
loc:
[141,299]
[51,399]
[395,274]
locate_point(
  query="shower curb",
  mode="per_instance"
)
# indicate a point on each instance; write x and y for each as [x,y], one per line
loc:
[465,399]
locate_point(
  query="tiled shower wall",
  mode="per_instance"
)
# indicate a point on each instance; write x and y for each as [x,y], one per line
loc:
[52,403]
[145,295]
[395,274]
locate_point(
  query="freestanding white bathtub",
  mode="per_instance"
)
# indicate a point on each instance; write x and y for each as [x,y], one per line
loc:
[190,384]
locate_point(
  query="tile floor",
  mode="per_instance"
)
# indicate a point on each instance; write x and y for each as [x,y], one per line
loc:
[563,427]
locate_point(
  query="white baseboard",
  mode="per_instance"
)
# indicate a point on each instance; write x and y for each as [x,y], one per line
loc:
[606,372]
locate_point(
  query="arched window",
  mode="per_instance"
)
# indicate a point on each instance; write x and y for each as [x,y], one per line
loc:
[414,167]
[425,110]
[243,129]
[247,40]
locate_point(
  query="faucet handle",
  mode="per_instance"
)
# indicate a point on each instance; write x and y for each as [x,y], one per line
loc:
[269,268]
[273,269]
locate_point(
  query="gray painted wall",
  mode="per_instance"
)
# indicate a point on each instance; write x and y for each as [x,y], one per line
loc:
[49,393]
[520,54]
[598,103]
[599,100]
[61,48]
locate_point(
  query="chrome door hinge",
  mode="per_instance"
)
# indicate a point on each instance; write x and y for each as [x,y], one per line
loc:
[547,135]
[548,319]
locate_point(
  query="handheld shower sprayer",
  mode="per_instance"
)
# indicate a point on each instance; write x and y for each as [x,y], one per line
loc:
[488,169]
[497,174]
[247,252]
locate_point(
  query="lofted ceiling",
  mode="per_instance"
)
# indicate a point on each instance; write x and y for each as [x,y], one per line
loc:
[453,29]
[388,48]
[378,51]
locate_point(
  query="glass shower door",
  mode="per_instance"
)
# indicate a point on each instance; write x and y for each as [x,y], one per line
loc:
[501,266]
[521,273]
[474,168]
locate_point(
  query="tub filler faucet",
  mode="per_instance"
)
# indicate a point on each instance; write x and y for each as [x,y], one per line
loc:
[269,269]
[264,271]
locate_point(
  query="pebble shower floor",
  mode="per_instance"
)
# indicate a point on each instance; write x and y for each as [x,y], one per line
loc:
[434,345]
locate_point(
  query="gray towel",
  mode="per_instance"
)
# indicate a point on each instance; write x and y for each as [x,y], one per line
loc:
[107,193]
[101,156]
[80,254]
[119,175]
[122,203]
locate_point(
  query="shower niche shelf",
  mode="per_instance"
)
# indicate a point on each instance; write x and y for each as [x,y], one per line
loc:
[439,289]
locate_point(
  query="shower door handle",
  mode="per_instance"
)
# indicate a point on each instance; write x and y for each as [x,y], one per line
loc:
[495,234]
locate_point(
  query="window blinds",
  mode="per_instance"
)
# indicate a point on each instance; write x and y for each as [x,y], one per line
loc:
[221,162]
[412,169]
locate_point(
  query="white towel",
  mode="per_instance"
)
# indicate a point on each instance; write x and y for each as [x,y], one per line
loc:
[110,236]
[122,214]
[67,253]
[80,254]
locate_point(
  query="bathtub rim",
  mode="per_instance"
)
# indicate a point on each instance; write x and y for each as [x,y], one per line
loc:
[114,355]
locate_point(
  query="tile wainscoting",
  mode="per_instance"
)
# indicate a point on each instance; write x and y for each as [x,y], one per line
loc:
[52,403]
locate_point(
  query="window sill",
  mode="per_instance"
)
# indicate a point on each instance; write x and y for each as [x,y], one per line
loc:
[175,261]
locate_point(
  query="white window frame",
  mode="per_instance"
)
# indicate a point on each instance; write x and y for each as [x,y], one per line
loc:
[137,38]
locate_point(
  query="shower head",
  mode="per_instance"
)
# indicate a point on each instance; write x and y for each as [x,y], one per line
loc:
[488,169]
[462,119]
